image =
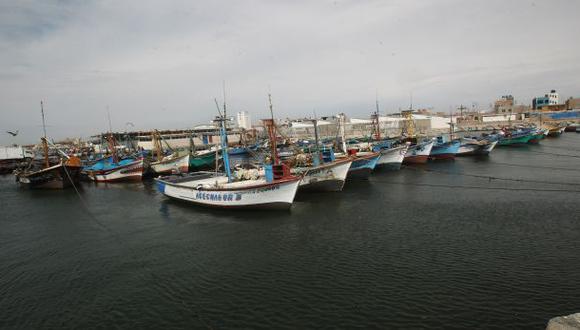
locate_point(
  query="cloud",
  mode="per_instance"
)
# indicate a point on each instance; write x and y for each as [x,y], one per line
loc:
[141,57]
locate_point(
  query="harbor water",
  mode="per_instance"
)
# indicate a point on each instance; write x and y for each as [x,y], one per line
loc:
[491,242]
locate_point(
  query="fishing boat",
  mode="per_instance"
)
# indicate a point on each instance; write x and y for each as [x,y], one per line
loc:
[171,164]
[444,149]
[111,169]
[65,173]
[275,190]
[475,147]
[114,168]
[392,158]
[363,163]
[572,127]
[58,176]
[13,157]
[320,170]
[418,153]
[323,177]
[555,131]
[538,135]
[202,159]
[507,137]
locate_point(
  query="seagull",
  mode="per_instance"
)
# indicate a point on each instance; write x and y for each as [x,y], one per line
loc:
[12,133]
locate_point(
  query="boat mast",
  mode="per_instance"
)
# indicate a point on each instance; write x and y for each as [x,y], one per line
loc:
[376,117]
[272,132]
[44,141]
[221,119]
[342,133]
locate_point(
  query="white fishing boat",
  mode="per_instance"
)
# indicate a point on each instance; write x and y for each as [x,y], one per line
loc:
[218,191]
[392,158]
[130,169]
[171,164]
[276,189]
[324,177]
[471,147]
[114,168]
[418,153]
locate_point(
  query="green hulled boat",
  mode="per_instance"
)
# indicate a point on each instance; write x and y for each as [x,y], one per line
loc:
[515,140]
[202,160]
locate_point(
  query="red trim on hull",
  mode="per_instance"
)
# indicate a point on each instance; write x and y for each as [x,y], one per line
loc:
[420,159]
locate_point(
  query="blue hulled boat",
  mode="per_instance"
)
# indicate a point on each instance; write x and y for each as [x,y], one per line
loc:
[444,149]
[363,164]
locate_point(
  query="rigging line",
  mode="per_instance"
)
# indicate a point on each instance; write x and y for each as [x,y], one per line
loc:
[564,148]
[120,241]
[536,166]
[495,178]
[553,154]
[472,187]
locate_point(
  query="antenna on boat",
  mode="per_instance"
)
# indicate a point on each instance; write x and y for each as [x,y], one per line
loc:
[43,122]
[109,117]
[223,138]
[44,140]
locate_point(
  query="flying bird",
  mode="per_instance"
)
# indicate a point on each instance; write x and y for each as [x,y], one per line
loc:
[12,133]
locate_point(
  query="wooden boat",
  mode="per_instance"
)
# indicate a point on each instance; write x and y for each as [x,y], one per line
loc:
[111,170]
[418,153]
[202,160]
[14,157]
[573,127]
[363,163]
[475,147]
[115,169]
[322,171]
[556,131]
[324,177]
[50,176]
[219,191]
[59,176]
[392,158]
[276,189]
[444,149]
[508,137]
[538,135]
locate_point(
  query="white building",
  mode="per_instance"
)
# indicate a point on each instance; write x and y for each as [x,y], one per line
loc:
[244,120]
[553,97]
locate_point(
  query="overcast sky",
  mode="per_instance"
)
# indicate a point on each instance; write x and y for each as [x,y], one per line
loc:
[159,64]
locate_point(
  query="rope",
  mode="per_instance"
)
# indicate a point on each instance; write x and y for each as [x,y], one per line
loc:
[492,177]
[473,187]
[122,242]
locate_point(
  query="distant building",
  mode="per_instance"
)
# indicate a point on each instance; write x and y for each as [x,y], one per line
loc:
[549,99]
[244,121]
[573,103]
[504,105]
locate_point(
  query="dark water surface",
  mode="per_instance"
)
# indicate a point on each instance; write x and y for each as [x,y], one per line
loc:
[406,250]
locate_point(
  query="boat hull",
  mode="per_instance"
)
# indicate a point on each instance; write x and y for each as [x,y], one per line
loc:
[476,149]
[176,165]
[274,195]
[391,159]
[204,161]
[509,141]
[130,172]
[362,166]
[444,151]
[327,177]
[55,177]
[418,154]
